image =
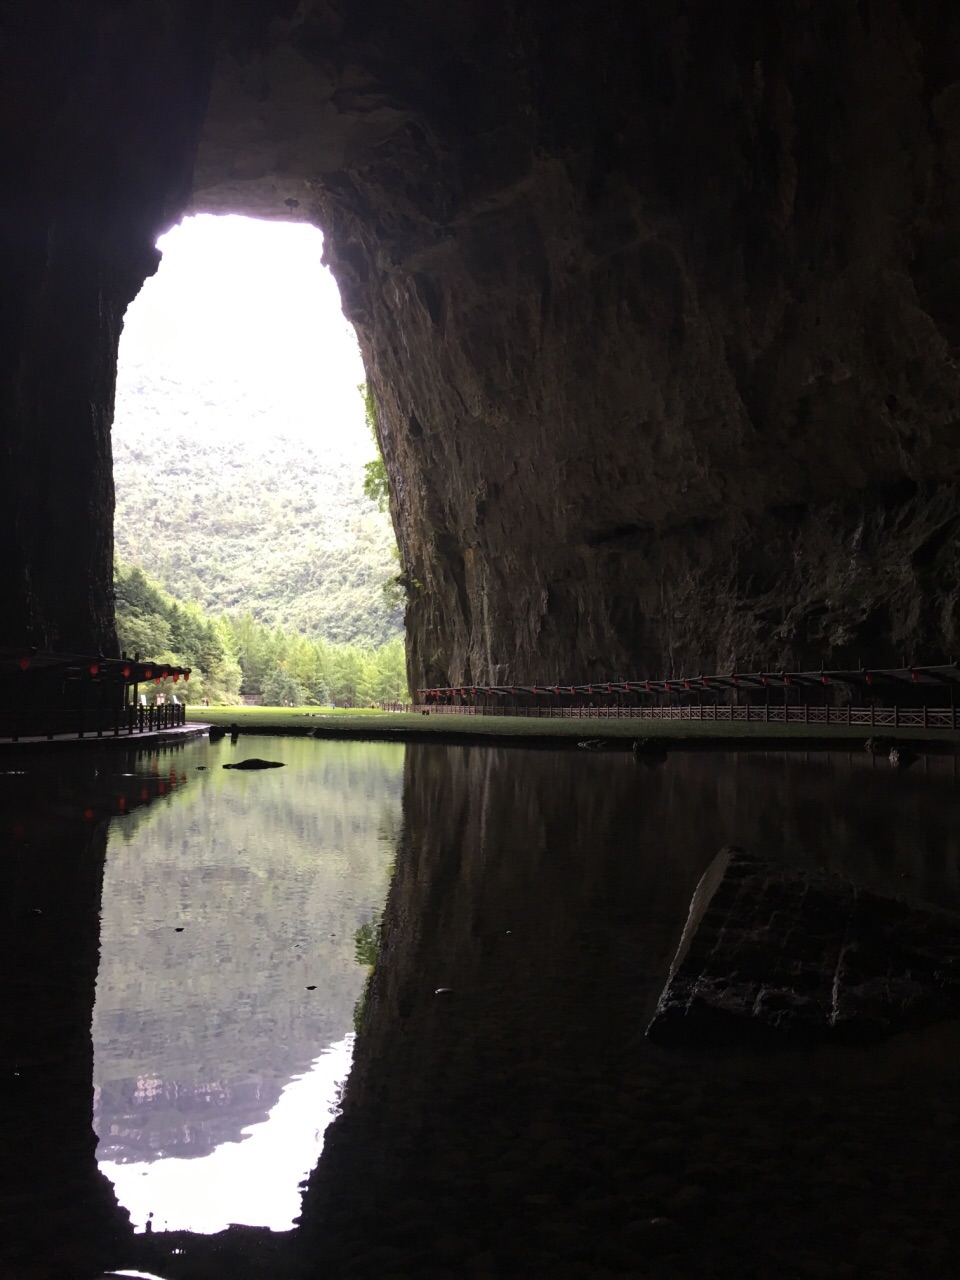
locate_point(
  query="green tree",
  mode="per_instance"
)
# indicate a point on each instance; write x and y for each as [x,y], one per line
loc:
[280,690]
[375,483]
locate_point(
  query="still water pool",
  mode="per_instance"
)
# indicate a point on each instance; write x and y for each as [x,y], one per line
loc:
[210,919]
[223,1023]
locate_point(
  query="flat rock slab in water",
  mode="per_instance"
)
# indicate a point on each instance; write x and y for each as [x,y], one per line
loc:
[776,952]
[254,763]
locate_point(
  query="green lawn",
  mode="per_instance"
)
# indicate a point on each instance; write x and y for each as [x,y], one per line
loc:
[363,722]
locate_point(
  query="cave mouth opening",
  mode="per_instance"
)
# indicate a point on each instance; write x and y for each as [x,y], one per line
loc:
[241,448]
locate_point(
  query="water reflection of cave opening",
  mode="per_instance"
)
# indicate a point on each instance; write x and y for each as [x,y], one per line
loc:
[229,976]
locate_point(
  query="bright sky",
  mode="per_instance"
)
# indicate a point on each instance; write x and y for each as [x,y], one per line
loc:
[249,302]
[254,1181]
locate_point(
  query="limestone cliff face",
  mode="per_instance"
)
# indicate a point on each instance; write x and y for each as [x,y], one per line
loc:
[659,303]
[660,307]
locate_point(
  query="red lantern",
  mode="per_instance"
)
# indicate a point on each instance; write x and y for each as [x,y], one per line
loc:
[686,684]
[88,814]
[736,682]
[94,669]
[148,673]
[627,686]
[666,686]
[705,683]
[646,685]
[913,676]
[786,679]
[609,688]
[24,663]
[869,678]
[765,680]
[824,679]
[122,804]
[126,672]
[589,688]
[157,680]
[164,672]
[144,794]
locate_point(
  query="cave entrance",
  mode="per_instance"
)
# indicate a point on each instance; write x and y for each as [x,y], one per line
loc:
[245,540]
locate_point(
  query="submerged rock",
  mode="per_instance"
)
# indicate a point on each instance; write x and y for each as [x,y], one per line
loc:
[776,952]
[217,732]
[255,763]
[902,757]
[649,751]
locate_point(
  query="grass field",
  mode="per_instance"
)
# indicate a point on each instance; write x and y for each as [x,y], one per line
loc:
[363,722]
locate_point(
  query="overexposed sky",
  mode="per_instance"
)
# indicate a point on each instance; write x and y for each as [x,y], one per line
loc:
[250,302]
[254,1181]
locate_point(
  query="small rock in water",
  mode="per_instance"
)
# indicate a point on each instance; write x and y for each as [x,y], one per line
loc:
[255,763]
[649,751]
[879,745]
[217,731]
[592,744]
[902,757]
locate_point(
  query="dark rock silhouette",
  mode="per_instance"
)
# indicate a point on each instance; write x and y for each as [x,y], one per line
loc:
[649,752]
[771,951]
[255,763]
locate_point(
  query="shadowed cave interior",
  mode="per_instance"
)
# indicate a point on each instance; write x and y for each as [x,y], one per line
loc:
[659,304]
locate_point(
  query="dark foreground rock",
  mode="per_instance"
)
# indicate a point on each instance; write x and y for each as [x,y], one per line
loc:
[255,763]
[776,952]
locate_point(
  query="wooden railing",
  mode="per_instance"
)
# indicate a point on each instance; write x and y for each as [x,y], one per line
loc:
[92,723]
[867,717]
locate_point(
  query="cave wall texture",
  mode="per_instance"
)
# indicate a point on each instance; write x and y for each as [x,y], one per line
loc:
[659,302]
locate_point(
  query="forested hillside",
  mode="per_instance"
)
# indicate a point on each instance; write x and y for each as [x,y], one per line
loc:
[230,657]
[228,502]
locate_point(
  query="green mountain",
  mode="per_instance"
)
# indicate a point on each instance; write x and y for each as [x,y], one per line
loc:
[238,506]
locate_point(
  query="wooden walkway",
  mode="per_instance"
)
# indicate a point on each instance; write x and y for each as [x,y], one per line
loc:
[916,696]
[872,717]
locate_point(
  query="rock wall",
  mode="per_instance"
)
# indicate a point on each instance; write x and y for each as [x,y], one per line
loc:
[99,109]
[659,306]
[658,302]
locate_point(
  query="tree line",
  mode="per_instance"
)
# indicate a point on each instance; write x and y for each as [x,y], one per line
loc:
[234,657]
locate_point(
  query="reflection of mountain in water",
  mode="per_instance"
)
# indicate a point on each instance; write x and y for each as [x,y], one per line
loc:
[267,877]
